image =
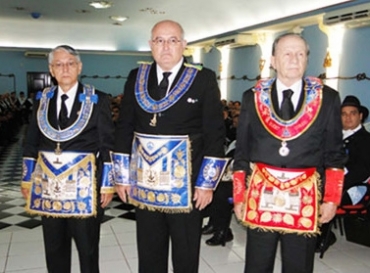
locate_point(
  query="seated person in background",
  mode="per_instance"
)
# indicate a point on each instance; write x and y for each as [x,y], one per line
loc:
[21,103]
[228,127]
[220,210]
[115,113]
[231,131]
[356,142]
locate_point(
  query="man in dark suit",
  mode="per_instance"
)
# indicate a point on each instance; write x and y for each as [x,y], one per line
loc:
[289,143]
[356,141]
[171,125]
[67,164]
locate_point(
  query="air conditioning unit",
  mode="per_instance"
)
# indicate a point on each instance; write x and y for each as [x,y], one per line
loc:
[237,40]
[35,54]
[356,16]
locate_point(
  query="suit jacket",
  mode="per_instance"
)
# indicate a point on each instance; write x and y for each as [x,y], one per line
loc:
[357,147]
[197,114]
[319,146]
[96,137]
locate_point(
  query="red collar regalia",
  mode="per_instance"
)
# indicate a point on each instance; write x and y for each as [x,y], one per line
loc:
[280,199]
[286,130]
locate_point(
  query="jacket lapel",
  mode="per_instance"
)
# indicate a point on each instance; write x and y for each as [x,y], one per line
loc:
[76,106]
[52,113]
[153,82]
[301,98]
[274,99]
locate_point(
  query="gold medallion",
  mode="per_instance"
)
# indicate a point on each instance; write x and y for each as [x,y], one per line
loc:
[58,150]
[153,121]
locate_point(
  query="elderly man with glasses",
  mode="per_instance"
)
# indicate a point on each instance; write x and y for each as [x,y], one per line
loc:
[66,164]
[171,130]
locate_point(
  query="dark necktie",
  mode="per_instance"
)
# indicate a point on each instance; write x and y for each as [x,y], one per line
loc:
[163,85]
[287,109]
[63,114]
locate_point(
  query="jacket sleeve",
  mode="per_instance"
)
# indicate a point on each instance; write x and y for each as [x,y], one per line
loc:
[106,142]
[124,133]
[243,149]
[333,149]
[213,132]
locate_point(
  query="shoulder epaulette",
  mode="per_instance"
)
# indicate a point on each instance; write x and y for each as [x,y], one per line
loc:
[38,95]
[196,66]
[47,91]
[144,62]
[314,80]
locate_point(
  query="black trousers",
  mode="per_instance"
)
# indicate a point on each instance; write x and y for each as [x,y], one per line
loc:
[58,234]
[220,210]
[297,252]
[154,231]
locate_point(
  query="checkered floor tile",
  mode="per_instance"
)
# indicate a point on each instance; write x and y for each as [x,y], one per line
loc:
[12,214]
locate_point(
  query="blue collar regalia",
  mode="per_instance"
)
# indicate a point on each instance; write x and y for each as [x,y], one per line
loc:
[64,183]
[148,104]
[88,98]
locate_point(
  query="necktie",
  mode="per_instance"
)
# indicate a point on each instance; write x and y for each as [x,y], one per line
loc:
[163,85]
[63,114]
[287,109]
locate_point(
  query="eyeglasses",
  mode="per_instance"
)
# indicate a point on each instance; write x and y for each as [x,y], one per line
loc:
[60,66]
[161,41]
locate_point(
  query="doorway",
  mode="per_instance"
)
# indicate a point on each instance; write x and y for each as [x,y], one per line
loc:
[37,81]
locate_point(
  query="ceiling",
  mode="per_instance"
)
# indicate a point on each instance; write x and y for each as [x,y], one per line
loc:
[76,23]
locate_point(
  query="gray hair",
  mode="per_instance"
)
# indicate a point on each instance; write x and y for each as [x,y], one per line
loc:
[277,39]
[66,48]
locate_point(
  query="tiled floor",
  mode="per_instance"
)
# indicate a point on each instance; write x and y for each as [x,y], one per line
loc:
[21,243]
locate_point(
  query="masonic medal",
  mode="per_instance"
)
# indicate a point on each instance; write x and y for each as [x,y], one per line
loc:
[153,121]
[284,150]
[288,130]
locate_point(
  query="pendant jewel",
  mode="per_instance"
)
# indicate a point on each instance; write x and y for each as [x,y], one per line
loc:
[153,121]
[58,150]
[284,150]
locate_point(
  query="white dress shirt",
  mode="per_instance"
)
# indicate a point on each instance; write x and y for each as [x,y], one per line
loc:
[296,88]
[71,93]
[172,77]
[349,132]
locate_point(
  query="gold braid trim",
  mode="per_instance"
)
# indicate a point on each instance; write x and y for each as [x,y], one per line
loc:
[70,170]
[315,178]
[159,209]
[78,216]
[107,190]
[141,205]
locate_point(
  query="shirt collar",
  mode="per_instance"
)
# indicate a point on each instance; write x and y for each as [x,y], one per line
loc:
[296,88]
[173,71]
[349,132]
[71,93]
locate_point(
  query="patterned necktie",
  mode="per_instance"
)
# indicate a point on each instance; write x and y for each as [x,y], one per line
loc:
[163,85]
[63,114]
[287,109]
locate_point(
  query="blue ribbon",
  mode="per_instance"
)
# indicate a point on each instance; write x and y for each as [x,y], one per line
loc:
[28,168]
[121,165]
[93,98]
[107,176]
[211,172]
